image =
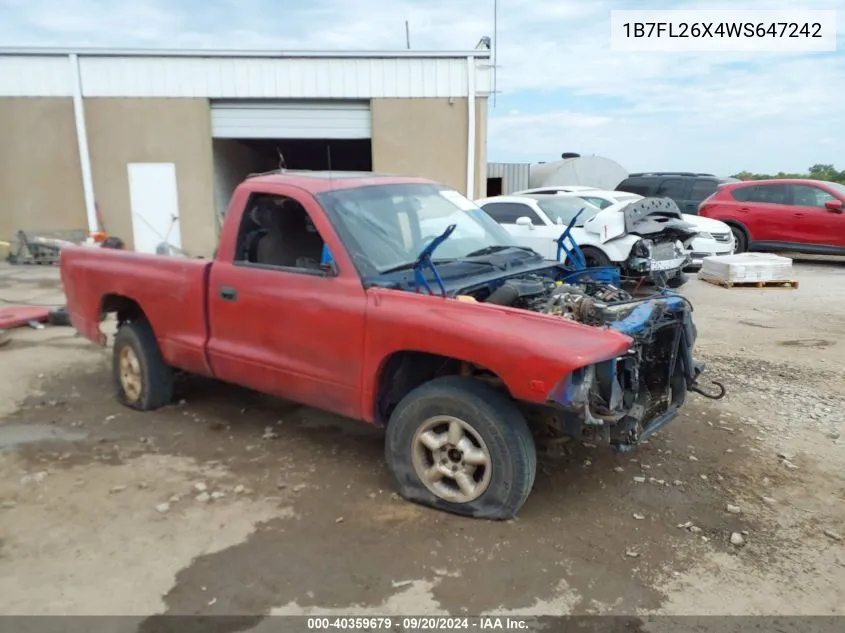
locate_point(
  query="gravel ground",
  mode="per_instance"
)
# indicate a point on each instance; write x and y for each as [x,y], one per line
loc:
[231,502]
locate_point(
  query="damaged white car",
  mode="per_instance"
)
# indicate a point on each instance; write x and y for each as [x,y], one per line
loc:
[644,239]
[712,236]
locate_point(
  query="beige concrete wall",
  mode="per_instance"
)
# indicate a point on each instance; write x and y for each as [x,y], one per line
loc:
[123,131]
[40,178]
[41,182]
[428,138]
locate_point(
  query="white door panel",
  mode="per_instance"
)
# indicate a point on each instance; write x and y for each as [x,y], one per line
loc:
[154,204]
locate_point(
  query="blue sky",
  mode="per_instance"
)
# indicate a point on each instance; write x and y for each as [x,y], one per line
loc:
[561,88]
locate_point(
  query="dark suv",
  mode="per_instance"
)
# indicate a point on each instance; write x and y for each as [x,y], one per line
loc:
[686,188]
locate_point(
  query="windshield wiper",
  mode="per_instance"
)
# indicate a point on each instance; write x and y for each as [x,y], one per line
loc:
[410,265]
[424,260]
[489,250]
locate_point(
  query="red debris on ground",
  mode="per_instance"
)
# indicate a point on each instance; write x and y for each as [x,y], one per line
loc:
[16,316]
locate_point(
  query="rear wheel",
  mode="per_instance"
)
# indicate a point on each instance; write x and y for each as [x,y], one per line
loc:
[740,240]
[457,444]
[143,380]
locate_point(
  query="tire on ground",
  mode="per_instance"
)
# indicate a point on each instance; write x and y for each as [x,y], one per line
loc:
[494,417]
[740,239]
[156,376]
[59,317]
[678,280]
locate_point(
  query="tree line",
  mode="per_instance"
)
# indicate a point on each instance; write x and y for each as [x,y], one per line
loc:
[816,172]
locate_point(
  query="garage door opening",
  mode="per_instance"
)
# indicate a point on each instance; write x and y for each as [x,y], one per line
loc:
[494,187]
[235,159]
[253,136]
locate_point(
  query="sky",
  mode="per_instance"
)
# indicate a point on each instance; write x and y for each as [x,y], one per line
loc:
[560,88]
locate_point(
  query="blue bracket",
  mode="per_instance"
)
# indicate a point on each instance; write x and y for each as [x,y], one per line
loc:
[573,252]
[424,261]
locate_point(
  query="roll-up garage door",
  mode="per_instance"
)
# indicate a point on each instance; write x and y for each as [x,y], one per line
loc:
[291,119]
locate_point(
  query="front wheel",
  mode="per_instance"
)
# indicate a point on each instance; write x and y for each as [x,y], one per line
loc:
[143,379]
[457,444]
[677,281]
[595,258]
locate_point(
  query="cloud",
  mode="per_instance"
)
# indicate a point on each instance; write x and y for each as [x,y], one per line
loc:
[561,88]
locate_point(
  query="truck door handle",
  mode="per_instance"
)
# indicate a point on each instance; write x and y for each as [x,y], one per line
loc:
[228,294]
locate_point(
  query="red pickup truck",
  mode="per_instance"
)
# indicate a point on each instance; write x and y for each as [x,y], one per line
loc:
[398,302]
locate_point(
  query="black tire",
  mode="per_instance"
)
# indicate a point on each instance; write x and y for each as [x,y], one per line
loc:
[677,281]
[156,376]
[740,239]
[498,422]
[595,258]
[59,317]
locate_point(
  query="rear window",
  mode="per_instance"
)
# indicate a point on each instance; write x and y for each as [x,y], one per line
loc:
[639,187]
[769,194]
[673,188]
[702,189]
[741,194]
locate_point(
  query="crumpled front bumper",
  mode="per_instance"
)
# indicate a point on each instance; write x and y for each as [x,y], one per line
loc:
[665,259]
[632,396]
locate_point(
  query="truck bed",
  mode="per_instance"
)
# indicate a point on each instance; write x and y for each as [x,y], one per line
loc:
[172,291]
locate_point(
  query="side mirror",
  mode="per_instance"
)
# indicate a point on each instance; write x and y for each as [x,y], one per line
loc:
[834,206]
[524,221]
[329,269]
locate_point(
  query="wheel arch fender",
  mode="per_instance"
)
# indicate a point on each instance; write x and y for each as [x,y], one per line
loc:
[737,224]
[402,371]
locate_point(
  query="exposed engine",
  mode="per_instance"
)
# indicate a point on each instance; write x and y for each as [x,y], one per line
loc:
[587,302]
[626,398]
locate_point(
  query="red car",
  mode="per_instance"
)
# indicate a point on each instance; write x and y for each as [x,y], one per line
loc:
[804,216]
[326,289]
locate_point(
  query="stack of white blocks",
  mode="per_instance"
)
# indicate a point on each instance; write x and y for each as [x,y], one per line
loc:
[746,267]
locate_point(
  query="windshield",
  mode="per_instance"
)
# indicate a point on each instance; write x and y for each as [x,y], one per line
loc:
[385,226]
[562,209]
[837,187]
[601,203]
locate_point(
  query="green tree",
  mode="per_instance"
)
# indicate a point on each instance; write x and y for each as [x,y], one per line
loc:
[816,172]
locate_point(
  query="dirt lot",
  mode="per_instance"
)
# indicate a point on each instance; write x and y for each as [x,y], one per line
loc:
[229,502]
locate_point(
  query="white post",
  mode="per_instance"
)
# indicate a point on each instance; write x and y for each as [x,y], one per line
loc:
[82,144]
[470,127]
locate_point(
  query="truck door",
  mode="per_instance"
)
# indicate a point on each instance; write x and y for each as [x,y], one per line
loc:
[281,322]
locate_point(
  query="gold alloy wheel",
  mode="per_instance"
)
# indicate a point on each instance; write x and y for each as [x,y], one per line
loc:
[451,459]
[130,373]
